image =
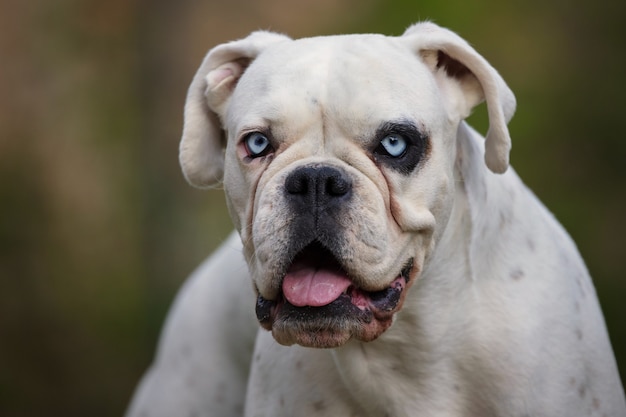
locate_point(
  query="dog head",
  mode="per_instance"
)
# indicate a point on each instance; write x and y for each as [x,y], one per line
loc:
[337,157]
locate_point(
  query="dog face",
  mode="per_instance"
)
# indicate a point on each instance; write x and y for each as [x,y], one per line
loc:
[338,166]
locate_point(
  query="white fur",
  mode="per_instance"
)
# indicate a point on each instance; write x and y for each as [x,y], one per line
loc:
[503,319]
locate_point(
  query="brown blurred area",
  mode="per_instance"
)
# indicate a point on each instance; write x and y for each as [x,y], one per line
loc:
[98,229]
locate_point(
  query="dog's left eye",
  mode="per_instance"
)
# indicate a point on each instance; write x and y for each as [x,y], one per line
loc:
[399,145]
[257,144]
[394,145]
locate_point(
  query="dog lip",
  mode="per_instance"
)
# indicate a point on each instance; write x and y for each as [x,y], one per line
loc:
[379,301]
[353,303]
[265,311]
[388,299]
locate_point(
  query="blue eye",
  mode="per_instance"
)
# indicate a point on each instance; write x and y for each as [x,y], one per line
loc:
[257,144]
[394,145]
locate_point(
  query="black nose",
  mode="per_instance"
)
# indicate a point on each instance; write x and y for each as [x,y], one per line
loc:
[318,186]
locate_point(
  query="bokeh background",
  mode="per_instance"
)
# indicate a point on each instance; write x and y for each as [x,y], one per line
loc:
[98,228]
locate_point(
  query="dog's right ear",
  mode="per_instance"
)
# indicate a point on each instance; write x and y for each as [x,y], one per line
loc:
[201,153]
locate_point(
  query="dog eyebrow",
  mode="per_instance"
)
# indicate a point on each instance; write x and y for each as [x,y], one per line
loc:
[403,127]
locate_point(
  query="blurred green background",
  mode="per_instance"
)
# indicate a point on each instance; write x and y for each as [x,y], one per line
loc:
[98,228]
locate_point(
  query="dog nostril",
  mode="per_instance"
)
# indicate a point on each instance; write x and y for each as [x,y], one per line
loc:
[337,186]
[297,183]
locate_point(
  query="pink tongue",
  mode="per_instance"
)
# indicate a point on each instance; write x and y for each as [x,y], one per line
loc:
[306,286]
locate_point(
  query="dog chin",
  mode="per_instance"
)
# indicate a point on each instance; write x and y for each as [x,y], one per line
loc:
[327,327]
[356,314]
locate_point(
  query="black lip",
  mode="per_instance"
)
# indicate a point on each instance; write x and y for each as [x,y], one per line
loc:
[264,310]
[340,308]
[386,299]
[322,317]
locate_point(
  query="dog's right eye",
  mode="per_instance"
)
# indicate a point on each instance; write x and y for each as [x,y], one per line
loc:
[257,144]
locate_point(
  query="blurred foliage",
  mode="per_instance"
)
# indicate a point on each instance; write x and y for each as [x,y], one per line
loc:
[98,229]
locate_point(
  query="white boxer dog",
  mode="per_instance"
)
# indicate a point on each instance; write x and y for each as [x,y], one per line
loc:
[396,264]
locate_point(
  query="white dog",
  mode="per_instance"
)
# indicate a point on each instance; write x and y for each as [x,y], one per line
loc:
[375,223]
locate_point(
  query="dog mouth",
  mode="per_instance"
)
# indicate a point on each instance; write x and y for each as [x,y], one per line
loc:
[319,305]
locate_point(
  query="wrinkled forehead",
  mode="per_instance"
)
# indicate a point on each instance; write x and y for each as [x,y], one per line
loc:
[356,78]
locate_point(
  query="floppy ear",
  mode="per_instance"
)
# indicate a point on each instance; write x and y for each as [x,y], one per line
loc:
[454,60]
[201,153]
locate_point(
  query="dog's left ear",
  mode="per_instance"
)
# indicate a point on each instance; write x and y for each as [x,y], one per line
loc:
[452,59]
[201,153]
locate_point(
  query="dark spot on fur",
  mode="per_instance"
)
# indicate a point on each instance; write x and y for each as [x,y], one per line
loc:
[504,220]
[299,365]
[579,334]
[257,357]
[531,244]
[596,403]
[582,390]
[517,274]
[581,286]
[319,405]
